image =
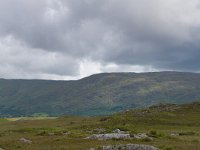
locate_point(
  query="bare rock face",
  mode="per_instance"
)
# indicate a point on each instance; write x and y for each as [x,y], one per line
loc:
[129,147]
[23,140]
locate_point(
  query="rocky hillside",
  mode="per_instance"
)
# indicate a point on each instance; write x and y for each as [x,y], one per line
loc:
[163,127]
[98,94]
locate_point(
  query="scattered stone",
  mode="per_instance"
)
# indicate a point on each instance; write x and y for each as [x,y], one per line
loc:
[25,140]
[108,147]
[116,147]
[99,130]
[118,134]
[174,134]
[2,149]
[66,133]
[140,147]
[51,133]
[119,131]
[141,136]
[109,136]
[128,147]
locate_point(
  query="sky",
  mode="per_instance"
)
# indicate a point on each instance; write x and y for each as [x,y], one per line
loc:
[71,39]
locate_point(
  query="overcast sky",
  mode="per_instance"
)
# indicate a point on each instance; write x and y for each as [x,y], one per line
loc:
[70,39]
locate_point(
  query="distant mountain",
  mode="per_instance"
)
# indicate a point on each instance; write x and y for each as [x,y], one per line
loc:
[97,94]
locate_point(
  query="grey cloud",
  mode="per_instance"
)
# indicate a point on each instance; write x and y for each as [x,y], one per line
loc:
[19,61]
[157,33]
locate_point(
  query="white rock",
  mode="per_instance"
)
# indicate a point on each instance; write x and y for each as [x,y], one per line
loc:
[25,140]
[119,131]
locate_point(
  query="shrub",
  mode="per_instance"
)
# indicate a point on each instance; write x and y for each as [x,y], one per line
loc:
[186,133]
[153,132]
[147,139]
[168,148]
[42,133]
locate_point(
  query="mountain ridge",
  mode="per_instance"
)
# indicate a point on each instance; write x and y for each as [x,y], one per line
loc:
[97,94]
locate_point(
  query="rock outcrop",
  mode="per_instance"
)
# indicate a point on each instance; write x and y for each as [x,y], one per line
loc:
[118,134]
[128,147]
[109,136]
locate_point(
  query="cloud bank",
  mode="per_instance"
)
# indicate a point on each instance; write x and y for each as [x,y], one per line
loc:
[67,39]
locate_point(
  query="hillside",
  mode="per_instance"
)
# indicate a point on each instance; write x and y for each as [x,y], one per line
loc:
[98,94]
[169,127]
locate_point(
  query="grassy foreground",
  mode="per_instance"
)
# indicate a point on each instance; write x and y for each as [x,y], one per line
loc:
[68,133]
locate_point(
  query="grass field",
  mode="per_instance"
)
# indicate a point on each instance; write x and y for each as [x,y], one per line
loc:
[68,133]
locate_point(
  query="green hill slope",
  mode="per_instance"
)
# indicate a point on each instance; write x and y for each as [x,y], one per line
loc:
[170,127]
[98,94]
